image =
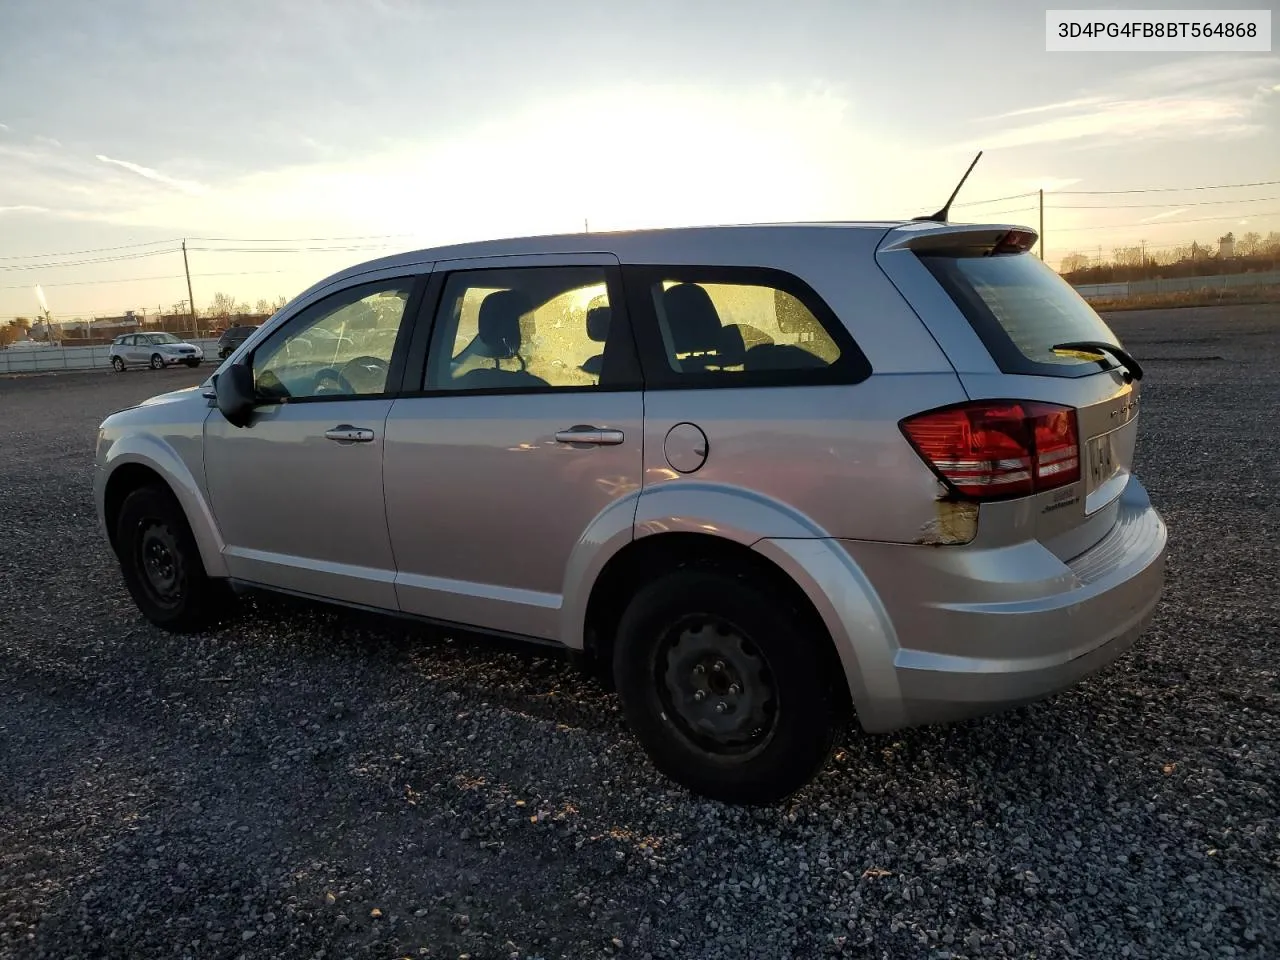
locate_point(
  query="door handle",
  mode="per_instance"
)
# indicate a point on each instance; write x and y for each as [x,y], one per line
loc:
[588,434]
[345,433]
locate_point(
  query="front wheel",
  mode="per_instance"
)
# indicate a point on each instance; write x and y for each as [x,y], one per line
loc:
[161,563]
[725,691]
[118,364]
[157,362]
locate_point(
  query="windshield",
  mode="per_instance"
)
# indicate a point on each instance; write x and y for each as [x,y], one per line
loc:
[1022,309]
[162,338]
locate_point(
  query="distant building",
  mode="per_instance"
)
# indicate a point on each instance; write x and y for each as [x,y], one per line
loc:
[1227,246]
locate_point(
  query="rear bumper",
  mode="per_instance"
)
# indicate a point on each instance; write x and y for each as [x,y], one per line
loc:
[1019,624]
[959,631]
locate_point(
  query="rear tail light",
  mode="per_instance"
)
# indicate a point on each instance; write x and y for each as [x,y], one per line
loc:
[996,449]
[1015,241]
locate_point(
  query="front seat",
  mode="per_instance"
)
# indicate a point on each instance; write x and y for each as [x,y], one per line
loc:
[598,319]
[694,325]
[498,330]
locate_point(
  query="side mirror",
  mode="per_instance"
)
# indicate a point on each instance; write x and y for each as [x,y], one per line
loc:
[234,389]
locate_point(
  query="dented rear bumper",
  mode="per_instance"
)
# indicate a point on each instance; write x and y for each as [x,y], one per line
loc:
[978,629]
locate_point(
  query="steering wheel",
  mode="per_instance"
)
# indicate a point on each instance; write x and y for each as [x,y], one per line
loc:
[369,372]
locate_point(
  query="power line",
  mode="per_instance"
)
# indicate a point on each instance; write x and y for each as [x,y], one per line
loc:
[379,236]
[1149,206]
[1161,223]
[81,263]
[380,246]
[1015,196]
[76,253]
[153,243]
[996,213]
[1216,186]
[171,276]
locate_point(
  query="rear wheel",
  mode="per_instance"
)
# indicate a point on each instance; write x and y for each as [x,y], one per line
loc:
[157,362]
[161,562]
[118,363]
[724,690]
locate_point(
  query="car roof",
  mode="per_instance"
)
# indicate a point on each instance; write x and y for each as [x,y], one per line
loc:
[738,243]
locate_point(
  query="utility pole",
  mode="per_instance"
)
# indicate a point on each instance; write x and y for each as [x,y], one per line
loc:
[191,300]
[585,227]
[1041,224]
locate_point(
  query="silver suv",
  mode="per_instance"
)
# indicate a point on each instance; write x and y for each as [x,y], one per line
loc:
[764,477]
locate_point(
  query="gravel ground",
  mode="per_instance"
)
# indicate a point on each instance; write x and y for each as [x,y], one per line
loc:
[306,782]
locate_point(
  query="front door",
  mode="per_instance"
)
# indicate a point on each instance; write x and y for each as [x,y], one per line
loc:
[527,429]
[297,493]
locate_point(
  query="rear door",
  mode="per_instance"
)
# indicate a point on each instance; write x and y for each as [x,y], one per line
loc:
[524,427]
[999,312]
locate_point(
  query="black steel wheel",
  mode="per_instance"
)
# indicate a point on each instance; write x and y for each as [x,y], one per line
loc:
[715,686]
[725,690]
[161,563]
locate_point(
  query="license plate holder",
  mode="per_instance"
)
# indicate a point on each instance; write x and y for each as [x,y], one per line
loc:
[1101,461]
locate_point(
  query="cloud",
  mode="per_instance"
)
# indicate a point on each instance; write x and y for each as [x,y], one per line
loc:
[24,208]
[1192,97]
[1162,216]
[1044,108]
[186,186]
[40,138]
[511,174]
[4,128]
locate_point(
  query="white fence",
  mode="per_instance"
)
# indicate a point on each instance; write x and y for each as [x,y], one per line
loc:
[1137,288]
[48,359]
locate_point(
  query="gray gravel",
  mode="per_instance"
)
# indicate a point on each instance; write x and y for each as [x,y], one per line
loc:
[306,782]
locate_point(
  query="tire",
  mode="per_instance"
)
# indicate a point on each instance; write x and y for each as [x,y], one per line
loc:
[118,364]
[157,362]
[785,709]
[161,563]
[192,363]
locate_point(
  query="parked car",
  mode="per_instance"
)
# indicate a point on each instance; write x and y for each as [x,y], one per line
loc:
[154,350]
[232,337]
[794,473]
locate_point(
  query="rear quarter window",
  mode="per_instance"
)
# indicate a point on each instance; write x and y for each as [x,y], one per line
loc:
[1021,309]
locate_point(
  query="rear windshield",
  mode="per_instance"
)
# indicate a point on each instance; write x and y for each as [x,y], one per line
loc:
[1021,309]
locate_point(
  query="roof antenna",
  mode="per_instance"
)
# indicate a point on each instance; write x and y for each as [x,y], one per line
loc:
[941,215]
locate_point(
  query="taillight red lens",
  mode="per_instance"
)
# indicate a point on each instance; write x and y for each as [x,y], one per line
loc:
[994,449]
[1015,241]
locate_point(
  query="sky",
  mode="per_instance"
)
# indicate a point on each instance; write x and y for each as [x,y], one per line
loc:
[289,139]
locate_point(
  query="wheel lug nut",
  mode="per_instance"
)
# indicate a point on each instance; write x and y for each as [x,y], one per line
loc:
[721,707]
[700,695]
[699,669]
[719,666]
[734,689]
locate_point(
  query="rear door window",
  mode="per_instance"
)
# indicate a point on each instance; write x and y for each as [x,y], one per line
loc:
[715,326]
[1021,309]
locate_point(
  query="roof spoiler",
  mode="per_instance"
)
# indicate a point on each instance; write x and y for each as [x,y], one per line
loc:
[978,239]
